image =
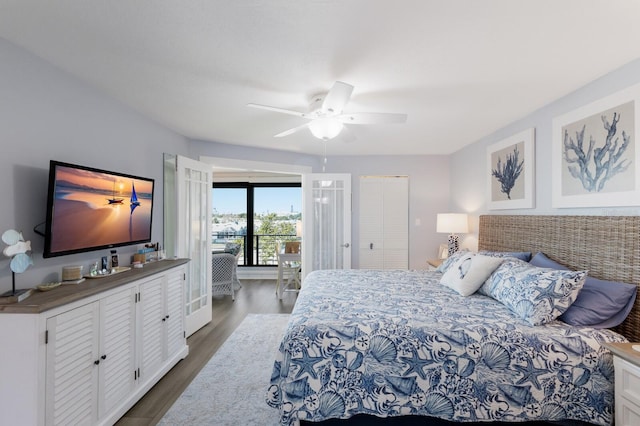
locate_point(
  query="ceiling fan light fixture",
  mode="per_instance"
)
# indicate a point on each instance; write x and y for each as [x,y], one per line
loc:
[325,128]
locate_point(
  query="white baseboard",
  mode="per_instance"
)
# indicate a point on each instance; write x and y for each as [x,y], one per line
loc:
[258,273]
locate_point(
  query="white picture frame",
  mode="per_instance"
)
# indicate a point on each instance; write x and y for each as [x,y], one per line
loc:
[511,171]
[576,180]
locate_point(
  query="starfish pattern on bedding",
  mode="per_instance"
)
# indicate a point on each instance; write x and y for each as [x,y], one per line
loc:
[416,364]
[530,373]
[306,363]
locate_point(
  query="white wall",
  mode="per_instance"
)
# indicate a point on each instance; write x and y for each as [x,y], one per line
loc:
[428,187]
[468,166]
[428,195]
[47,114]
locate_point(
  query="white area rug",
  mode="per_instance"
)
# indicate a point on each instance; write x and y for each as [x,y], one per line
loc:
[231,388]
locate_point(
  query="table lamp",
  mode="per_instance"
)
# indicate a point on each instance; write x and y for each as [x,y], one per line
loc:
[452,223]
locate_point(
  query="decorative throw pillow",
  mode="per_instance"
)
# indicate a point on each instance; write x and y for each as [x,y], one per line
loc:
[522,255]
[600,304]
[537,295]
[446,263]
[542,261]
[469,272]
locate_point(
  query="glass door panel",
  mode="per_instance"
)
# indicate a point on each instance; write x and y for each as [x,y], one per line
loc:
[327,230]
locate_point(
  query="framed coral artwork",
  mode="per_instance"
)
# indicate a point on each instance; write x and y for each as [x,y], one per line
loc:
[595,156]
[511,165]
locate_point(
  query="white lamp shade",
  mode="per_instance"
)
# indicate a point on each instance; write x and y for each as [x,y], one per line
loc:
[452,223]
[325,128]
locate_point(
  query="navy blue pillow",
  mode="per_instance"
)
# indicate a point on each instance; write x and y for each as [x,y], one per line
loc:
[600,304]
[522,255]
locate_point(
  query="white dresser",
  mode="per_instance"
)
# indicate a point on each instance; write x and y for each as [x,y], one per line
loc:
[626,361]
[86,353]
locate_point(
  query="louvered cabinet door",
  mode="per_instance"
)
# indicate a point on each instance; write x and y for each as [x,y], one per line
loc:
[370,223]
[151,342]
[174,306]
[117,349]
[71,371]
[396,223]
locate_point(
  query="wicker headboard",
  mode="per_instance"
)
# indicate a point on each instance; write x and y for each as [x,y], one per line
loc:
[607,246]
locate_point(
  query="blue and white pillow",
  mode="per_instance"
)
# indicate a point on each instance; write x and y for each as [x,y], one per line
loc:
[522,255]
[600,304]
[537,295]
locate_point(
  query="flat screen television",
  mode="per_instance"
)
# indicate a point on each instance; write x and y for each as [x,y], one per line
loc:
[91,209]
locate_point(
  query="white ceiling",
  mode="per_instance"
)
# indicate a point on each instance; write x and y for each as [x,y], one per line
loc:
[461,69]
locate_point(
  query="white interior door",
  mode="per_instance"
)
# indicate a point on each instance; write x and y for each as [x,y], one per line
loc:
[194,238]
[384,222]
[326,220]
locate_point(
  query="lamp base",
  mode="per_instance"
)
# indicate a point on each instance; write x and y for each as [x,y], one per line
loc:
[454,244]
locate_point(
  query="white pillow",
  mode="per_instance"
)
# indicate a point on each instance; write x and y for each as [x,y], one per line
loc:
[469,272]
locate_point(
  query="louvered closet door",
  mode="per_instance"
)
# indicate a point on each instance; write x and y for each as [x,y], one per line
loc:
[396,223]
[370,224]
[384,222]
[117,351]
[72,375]
[152,327]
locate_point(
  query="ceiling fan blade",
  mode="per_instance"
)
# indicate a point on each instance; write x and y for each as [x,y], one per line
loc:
[337,97]
[276,109]
[346,135]
[291,131]
[372,118]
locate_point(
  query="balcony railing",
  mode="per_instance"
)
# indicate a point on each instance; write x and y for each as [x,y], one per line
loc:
[264,246]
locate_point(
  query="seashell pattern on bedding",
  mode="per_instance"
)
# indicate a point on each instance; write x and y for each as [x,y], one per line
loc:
[391,343]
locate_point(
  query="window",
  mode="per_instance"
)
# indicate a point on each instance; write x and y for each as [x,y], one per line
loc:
[258,216]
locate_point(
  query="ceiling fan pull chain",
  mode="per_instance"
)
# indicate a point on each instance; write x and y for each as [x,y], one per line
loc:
[324,162]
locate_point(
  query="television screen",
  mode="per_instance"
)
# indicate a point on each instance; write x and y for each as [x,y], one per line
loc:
[90,209]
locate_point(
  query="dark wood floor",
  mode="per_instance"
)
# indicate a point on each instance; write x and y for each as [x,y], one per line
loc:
[255,297]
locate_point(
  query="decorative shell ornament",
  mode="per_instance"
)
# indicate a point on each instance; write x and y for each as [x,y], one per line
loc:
[17,249]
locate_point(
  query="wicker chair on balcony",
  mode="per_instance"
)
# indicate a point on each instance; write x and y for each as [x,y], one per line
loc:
[223,274]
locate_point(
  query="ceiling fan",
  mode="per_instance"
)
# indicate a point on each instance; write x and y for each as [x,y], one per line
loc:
[326,116]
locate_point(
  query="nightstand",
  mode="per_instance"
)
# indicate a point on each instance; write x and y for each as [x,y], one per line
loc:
[432,264]
[626,362]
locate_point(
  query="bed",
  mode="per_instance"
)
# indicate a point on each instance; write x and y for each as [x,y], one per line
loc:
[392,344]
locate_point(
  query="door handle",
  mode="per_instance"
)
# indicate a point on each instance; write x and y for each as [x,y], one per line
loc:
[371,246]
[345,245]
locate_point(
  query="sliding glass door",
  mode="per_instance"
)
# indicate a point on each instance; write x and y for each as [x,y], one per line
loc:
[256,215]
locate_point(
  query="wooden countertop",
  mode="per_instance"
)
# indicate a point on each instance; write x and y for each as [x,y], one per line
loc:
[624,351]
[41,301]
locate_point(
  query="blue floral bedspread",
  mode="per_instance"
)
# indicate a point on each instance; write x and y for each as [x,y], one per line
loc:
[391,343]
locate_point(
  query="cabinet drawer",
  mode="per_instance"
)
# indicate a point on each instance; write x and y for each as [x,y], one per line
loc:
[627,413]
[627,381]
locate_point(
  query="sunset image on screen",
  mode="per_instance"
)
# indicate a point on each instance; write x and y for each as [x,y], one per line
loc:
[93,209]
